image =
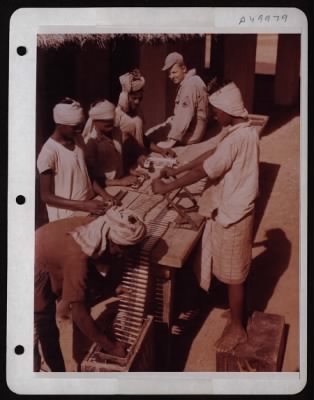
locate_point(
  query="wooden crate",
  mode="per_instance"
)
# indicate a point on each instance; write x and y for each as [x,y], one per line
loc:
[263,351]
[74,344]
[139,359]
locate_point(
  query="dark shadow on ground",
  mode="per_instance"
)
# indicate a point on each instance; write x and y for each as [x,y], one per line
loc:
[264,104]
[267,269]
[181,344]
[189,296]
[278,117]
[267,176]
[264,275]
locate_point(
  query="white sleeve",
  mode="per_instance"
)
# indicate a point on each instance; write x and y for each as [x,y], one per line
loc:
[221,161]
[46,160]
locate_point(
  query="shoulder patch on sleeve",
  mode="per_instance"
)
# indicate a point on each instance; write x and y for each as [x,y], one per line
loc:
[186,102]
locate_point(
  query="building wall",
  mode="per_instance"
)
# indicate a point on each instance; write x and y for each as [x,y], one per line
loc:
[239,58]
[287,80]
[154,105]
[233,58]
[69,71]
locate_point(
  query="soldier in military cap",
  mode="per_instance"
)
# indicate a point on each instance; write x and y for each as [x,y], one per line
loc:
[188,123]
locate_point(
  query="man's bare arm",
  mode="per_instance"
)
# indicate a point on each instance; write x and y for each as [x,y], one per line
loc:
[87,326]
[196,163]
[193,176]
[48,197]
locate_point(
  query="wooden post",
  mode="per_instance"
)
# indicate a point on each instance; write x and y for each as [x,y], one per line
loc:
[286,88]
[239,64]
[93,75]
[124,57]
[154,103]
[217,56]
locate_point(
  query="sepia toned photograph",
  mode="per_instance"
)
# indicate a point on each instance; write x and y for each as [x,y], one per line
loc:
[157,201]
[167,202]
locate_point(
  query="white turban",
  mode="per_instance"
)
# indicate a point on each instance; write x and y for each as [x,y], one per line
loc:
[229,100]
[68,114]
[102,110]
[130,82]
[120,225]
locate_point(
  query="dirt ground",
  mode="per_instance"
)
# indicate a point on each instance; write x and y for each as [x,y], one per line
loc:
[273,283]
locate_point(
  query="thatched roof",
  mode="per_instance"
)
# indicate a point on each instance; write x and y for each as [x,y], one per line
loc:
[57,40]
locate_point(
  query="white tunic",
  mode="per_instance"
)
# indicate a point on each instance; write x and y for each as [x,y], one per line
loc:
[105,155]
[226,247]
[234,166]
[71,180]
[128,125]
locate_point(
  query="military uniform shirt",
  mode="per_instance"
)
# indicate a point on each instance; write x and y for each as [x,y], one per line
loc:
[190,111]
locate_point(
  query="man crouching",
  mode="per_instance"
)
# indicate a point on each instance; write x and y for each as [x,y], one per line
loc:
[64,250]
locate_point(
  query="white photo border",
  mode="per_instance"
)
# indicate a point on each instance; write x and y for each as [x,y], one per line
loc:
[25,24]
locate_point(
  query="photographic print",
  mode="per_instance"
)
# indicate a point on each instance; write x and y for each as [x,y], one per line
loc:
[166,200]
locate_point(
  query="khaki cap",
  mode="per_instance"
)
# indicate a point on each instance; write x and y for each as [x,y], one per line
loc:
[171,59]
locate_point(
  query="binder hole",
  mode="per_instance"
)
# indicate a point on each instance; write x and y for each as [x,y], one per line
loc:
[19,350]
[20,199]
[21,50]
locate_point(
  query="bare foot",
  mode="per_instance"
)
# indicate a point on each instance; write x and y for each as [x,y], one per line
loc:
[231,337]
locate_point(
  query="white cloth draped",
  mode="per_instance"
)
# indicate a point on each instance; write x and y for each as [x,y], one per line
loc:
[120,225]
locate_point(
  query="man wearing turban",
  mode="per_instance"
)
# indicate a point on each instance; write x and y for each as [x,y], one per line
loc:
[105,146]
[67,253]
[65,185]
[132,84]
[232,170]
[188,123]
[128,117]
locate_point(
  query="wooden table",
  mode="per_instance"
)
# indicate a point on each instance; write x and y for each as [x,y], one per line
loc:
[168,256]
[171,251]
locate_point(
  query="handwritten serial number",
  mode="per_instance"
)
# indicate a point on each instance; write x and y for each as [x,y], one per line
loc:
[263,18]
